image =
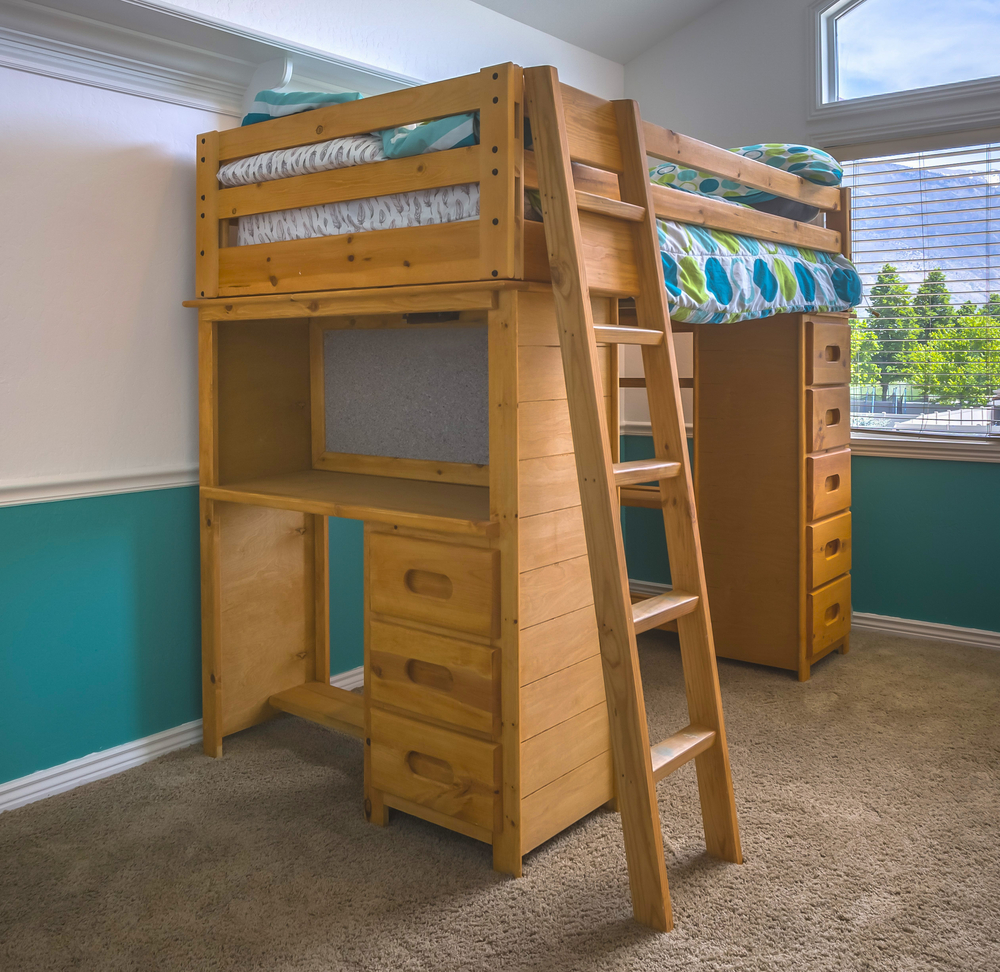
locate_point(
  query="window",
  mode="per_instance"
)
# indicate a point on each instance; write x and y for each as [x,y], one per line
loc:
[875,47]
[926,340]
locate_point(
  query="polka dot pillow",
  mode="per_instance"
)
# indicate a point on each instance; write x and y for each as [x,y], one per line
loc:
[810,163]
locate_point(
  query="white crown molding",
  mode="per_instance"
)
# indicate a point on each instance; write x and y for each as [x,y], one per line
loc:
[156,51]
[353,678]
[905,627]
[54,489]
[96,766]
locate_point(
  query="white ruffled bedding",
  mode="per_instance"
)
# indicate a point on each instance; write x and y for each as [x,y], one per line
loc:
[425,207]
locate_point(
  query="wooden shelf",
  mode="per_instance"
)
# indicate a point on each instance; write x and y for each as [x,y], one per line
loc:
[446,507]
[332,707]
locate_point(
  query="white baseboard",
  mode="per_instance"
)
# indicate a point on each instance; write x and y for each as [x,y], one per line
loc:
[350,680]
[908,628]
[96,766]
[648,588]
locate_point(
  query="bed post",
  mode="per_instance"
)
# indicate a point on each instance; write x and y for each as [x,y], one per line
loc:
[501,206]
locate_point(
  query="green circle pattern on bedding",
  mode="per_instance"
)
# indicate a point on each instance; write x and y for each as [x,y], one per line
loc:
[713,277]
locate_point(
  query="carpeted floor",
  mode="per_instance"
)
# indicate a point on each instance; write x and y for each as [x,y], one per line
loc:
[868,802]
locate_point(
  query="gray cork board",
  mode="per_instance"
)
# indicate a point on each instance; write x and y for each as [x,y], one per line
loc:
[419,393]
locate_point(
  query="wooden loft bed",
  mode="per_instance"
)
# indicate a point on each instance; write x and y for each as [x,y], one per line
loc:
[483,708]
[500,244]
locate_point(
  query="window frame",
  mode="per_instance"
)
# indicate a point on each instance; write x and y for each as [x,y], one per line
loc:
[956,107]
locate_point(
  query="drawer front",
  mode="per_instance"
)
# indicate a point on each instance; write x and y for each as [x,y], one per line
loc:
[441,678]
[829,544]
[453,774]
[442,584]
[828,483]
[829,613]
[829,413]
[828,353]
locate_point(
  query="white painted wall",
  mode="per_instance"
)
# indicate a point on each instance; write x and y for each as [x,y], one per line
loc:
[430,39]
[740,73]
[97,357]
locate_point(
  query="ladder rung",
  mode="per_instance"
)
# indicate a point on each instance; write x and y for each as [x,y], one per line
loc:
[654,611]
[678,749]
[592,203]
[641,382]
[614,334]
[644,471]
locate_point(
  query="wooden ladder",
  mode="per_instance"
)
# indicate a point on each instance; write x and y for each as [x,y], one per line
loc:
[638,766]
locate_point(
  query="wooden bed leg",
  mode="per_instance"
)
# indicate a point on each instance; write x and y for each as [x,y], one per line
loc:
[211,671]
[805,671]
[376,812]
[846,646]
[505,859]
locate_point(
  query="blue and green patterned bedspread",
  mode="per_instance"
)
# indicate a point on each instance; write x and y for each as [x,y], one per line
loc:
[713,277]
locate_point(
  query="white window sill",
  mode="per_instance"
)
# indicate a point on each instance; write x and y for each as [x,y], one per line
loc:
[905,446]
[899,446]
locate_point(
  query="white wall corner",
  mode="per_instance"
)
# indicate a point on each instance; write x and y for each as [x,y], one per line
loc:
[96,766]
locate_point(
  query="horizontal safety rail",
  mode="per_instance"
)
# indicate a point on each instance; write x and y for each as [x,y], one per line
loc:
[391,110]
[449,168]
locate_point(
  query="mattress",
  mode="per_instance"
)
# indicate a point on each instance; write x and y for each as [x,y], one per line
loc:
[714,277]
[426,207]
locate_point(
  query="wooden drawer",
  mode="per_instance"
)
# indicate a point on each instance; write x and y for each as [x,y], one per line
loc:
[828,484]
[828,410]
[828,353]
[829,543]
[829,613]
[440,678]
[453,774]
[442,584]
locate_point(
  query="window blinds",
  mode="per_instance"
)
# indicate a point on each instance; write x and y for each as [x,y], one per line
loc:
[926,341]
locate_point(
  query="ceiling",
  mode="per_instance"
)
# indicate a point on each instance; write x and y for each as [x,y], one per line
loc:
[618,30]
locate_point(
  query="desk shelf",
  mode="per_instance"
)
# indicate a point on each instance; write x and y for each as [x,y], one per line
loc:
[443,507]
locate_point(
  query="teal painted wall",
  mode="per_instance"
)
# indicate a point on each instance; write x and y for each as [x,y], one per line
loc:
[99,624]
[347,588]
[926,536]
[99,598]
[100,640]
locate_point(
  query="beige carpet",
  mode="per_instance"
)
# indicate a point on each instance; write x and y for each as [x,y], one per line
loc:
[868,801]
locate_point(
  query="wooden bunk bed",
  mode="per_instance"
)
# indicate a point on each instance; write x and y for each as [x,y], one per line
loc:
[483,708]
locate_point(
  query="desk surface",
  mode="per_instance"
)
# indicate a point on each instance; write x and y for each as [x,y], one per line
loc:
[447,507]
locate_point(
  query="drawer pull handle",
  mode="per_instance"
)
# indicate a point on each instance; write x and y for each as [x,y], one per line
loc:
[832,483]
[832,549]
[427,583]
[430,767]
[427,673]
[832,613]
[832,352]
[832,417]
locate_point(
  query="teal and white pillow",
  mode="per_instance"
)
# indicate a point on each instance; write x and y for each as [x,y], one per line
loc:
[276,104]
[812,164]
[454,131]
